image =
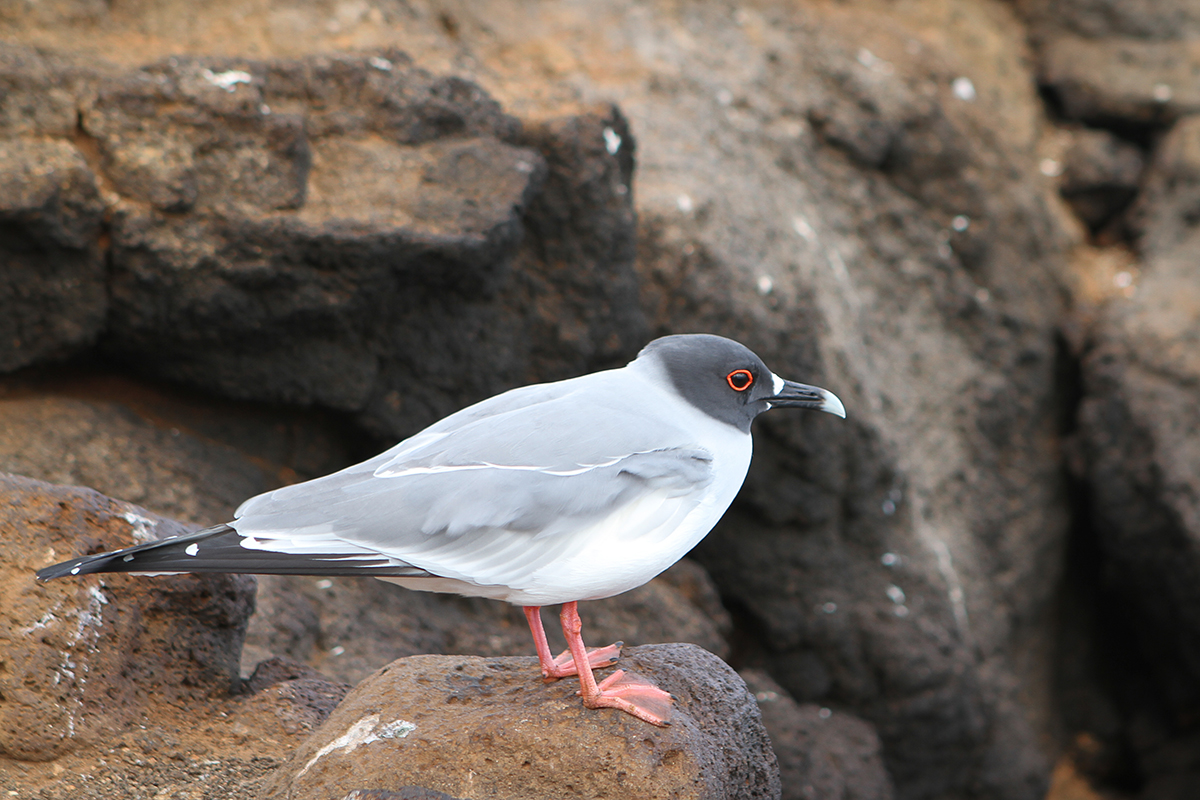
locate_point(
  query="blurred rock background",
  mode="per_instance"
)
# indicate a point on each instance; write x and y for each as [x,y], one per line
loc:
[246,242]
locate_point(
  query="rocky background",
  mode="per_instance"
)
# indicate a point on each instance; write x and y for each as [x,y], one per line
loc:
[246,242]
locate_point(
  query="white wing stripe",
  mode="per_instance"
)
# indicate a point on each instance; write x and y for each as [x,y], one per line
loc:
[390,471]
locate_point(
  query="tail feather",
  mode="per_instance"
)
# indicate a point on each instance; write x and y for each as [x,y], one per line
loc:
[220,549]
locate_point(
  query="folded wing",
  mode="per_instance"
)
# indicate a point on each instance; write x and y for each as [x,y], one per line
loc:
[488,498]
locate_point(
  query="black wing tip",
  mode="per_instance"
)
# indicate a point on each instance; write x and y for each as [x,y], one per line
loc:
[88,565]
[72,568]
[218,550]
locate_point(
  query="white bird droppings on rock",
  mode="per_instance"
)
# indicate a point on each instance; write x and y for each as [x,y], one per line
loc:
[227,80]
[612,141]
[963,89]
[397,729]
[1050,167]
[143,527]
[363,732]
[874,62]
[800,225]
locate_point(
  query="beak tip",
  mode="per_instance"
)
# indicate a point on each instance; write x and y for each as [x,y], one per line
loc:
[831,404]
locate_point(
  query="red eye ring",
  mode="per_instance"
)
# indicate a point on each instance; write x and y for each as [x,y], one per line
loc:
[740,380]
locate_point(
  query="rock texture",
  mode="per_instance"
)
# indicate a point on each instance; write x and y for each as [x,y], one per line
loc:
[1108,60]
[173,639]
[274,230]
[121,686]
[822,753]
[1139,456]
[387,210]
[466,726]
[112,666]
[866,224]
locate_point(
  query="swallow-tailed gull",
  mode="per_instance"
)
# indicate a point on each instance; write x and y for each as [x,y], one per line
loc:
[546,494]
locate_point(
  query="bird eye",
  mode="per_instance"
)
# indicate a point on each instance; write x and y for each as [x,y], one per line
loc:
[740,380]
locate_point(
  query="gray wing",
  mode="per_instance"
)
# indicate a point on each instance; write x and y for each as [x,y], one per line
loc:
[468,496]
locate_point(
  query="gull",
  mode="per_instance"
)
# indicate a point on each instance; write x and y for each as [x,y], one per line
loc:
[549,494]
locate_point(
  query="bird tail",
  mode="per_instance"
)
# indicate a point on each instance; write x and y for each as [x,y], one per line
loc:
[221,549]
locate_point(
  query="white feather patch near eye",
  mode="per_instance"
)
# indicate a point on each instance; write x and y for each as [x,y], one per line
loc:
[777,383]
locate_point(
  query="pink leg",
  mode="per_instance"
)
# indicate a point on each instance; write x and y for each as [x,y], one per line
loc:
[564,665]
[639,698]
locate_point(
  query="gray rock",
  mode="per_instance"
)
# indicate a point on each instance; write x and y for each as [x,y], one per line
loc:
[822,753]
[1169,207]
[52,286]
[1142,461]
[864,227]
[449,724]
[1098,19]
[1131,61]
[1146,82]
[1100,175]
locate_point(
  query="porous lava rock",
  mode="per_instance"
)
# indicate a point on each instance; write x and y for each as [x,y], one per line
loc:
[459,725]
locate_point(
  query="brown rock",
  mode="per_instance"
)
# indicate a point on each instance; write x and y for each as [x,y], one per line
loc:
[851,188]
[364,222]
[455,724]
[295,694]
[120,686]
[81,658]
[108,447]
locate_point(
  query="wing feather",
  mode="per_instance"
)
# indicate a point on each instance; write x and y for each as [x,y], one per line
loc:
[467,497]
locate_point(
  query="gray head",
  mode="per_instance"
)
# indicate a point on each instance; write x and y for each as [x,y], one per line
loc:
[727,381]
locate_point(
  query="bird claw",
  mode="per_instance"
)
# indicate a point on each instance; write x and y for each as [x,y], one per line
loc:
[564,665]
[632,695]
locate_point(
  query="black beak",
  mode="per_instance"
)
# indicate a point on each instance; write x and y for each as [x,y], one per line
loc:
[799,395]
